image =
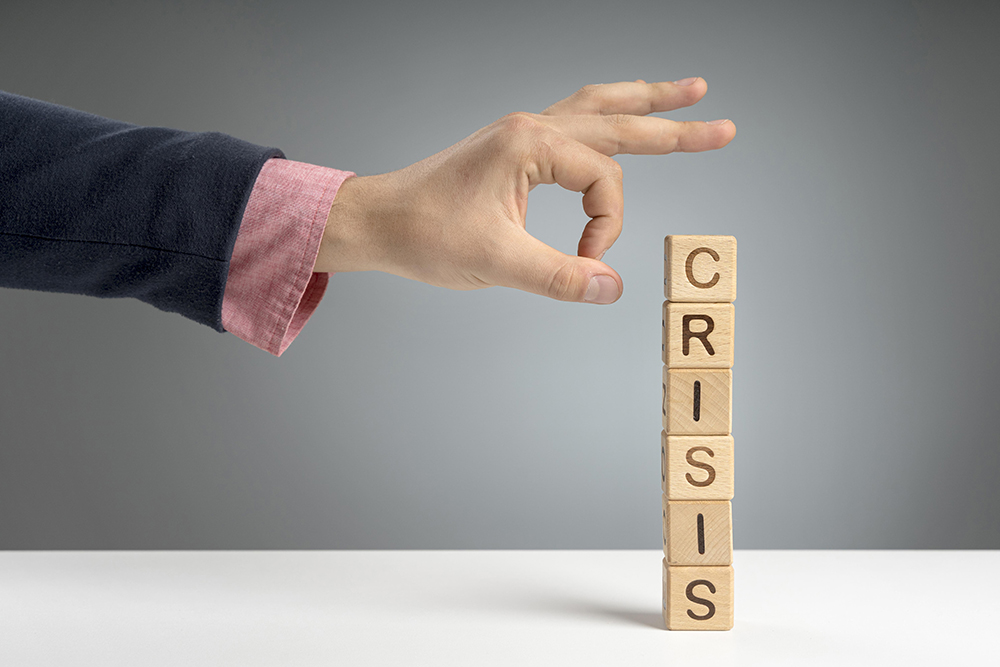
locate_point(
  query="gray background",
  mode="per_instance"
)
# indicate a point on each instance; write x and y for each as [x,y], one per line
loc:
[862,187]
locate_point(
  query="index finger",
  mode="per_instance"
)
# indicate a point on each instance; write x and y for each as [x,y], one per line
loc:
[577,167]
[639,135]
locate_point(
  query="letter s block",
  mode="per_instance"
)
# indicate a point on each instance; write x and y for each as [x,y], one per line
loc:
[697,598]
[698,335]
[696,467]
[699,268]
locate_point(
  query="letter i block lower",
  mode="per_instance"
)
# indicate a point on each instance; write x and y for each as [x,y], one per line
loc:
[697,532]
[697,598]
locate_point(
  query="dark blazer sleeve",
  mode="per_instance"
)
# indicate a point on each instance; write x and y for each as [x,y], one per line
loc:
[104,208]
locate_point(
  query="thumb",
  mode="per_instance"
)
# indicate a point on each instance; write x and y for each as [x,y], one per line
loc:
[532,266]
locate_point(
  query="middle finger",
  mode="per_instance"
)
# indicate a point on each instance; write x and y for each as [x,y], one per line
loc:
[631,97]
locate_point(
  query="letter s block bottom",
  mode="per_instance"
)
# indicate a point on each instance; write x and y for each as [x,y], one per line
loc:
[697,598]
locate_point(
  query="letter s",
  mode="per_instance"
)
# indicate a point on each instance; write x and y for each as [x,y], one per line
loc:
[707,467]
[689,592]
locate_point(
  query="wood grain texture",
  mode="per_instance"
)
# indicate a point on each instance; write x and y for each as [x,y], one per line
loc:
[699,268]
[696,467]
[697,532]
[698,335]
[697,598]
[697,401]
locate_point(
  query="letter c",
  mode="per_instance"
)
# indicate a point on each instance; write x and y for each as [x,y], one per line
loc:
[689,268]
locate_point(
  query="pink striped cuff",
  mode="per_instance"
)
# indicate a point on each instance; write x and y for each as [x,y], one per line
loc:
[271,290]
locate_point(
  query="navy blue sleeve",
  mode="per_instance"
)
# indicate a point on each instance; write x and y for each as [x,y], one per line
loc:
[104,208]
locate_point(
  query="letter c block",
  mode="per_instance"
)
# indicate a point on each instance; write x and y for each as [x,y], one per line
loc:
[699,268]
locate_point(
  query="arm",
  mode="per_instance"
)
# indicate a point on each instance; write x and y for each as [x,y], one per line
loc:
[104,208]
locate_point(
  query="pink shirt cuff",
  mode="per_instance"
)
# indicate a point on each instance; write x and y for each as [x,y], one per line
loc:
[271,290]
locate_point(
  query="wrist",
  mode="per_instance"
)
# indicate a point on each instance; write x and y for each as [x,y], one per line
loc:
[345,245]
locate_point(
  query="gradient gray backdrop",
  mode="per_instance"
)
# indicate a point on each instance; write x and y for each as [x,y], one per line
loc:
[861,186]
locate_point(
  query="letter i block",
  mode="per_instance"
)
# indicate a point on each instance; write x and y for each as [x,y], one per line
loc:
[697,532]
[697,401]
[699,268]
[698,335]
[697,598]
[696,467]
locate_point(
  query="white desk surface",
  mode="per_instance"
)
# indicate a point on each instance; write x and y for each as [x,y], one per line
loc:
[470,608]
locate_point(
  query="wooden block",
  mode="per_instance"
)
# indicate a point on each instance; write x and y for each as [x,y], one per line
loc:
[699,268]
[696,467]
[698,335]
[697,532]
[697,401]
[697,598]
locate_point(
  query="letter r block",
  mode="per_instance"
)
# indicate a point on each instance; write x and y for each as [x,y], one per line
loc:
[699,268]
[698,335]
[697,598]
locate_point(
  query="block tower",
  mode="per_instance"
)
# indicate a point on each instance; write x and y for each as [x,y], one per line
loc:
[696,446]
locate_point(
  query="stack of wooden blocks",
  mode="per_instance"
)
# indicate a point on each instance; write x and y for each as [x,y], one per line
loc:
[696,446]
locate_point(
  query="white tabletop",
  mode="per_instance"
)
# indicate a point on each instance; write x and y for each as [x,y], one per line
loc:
[470,608]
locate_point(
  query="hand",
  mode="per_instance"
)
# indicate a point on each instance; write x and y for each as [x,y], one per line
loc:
[457,218]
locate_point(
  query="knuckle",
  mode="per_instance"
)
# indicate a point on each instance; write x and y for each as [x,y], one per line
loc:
[619,124]
[615,169]
[519,121]
[563,284]
[591,96]
[512,133]
[619,120]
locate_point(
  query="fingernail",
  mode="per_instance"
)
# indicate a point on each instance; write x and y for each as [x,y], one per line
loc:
[718,122]
[602,289]
[686,82]
[598,258]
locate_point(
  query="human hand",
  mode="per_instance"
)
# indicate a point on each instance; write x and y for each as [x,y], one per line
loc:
[457,218]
